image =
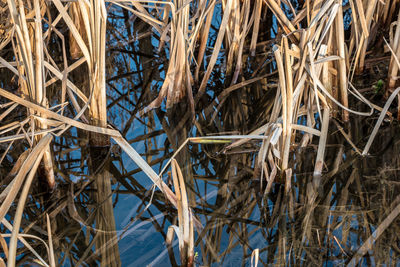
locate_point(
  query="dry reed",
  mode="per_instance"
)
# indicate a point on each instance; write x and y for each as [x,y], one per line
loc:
[310,81]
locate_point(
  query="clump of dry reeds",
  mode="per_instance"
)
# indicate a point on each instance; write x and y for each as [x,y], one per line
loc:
[32,62]
[312,62]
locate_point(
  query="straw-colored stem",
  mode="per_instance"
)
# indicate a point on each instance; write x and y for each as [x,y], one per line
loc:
[342,72]
[282,86]
[393,67]
[21,203]
[319,160]
[289,104]
[368,18]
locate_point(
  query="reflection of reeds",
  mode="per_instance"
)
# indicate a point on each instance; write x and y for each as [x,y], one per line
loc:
[91,20]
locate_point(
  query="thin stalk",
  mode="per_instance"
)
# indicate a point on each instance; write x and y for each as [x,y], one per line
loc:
[342,72]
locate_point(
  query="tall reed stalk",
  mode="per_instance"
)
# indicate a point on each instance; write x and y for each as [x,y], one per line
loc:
[30,54]
[93,16]
[274,71]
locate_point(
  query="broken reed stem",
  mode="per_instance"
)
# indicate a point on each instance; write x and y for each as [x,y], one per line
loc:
[319,161]
[282,86]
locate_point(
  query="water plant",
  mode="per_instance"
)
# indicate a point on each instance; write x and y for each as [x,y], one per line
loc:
[261,94]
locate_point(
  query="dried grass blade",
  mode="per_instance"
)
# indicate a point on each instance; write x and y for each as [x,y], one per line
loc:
[39,260]
[328,25]
[53,115]
[314,74]
[28,164]
[43,143]
[394,40]
[380,119]
[145,168]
